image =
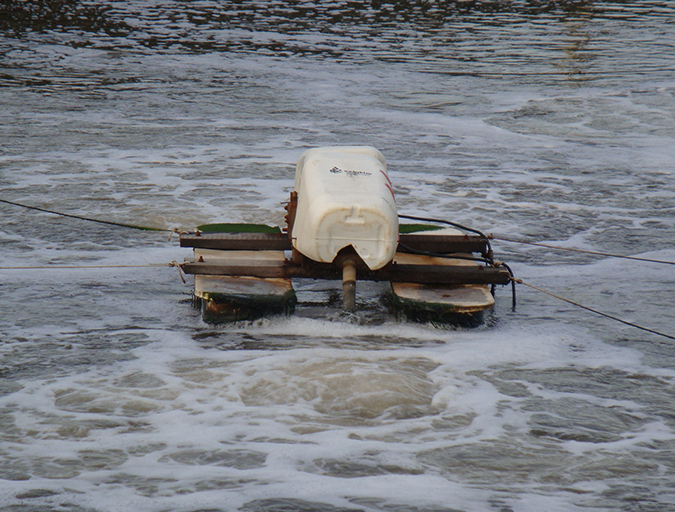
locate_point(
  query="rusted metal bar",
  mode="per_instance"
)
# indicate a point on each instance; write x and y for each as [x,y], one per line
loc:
[349,284]
[215,269]
[445,244]
[443,274]
[237,241]
[291,209]
[407,273]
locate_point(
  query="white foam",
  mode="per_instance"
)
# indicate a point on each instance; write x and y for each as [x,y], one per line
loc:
[118,397]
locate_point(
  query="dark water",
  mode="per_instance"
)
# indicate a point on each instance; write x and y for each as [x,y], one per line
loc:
[547,121]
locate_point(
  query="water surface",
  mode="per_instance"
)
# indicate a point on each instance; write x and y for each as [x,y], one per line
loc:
[547,122]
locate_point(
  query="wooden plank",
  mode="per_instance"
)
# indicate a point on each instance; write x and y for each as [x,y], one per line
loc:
[230,286]
[257,258]
[231,299]
[468,298]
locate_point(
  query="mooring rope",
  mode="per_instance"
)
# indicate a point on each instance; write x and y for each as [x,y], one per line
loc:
[441,221]
[179,266]
[410,217]
[520,281]
[489,253]
[488,258]
[173,264]
[56,267]
[538,244]
[584,251]
[80,217]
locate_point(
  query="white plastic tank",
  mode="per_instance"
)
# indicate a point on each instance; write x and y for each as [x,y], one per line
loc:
[345,198]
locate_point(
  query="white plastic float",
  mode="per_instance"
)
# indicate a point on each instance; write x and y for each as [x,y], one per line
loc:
[345,199]
[342,223]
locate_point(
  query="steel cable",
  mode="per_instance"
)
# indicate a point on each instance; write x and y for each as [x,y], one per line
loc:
[520,281]
[583,251]
[80,217]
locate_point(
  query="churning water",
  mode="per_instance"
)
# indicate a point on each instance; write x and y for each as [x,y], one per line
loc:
[546,121]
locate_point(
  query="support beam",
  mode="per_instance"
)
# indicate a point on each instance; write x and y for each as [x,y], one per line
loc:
[349,284]
[406,273]
[237,241]
[443,244]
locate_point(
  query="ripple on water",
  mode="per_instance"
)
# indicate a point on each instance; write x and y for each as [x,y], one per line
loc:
[549,121]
